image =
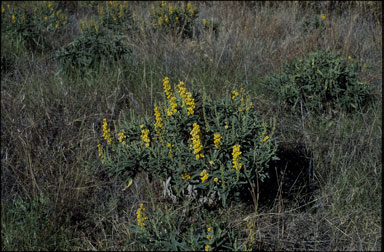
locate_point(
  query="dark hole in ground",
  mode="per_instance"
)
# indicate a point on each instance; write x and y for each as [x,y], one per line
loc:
[290,178]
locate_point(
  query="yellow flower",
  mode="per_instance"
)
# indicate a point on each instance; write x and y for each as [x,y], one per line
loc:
[204,21]
[57,25]
[235,94]
[196,141]
[166,19]
[349,58]
[101,11]
[159,121]
[207,247]
[100,151]
[322,16]
[226,126]
[122,136]
[13,18]
[217,139]
[209,229]
[163,3]
[160,21]
[236,157]
[2,9]
[8,6]
[265,138]
[141,217]
[185,176]
[187,98]
[216,180]
[144,137]
[211,162]
[204,176]
[45,18]
[106,132]
[49,4]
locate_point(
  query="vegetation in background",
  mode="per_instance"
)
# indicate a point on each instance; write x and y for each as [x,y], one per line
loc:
[79,173]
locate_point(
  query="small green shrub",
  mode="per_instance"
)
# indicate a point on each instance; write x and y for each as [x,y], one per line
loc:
[117,16]
[322,80]
[94,46]
[173,18]
[220,147]
[33,28]
[314,23]
[163,229]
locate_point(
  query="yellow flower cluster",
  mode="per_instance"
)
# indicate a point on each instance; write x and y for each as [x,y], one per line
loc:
[187,98]
[141,217]
[190,9]
[234,94]
[101,155]
[170,98]
[236,157]
[217,139]
[106,132]
[204,176]
[185,176]
[122,136]
[144,137]
[196,141]
[159,122]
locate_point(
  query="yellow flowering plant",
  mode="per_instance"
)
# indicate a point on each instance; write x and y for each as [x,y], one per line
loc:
[170,17]
[33,29]
[222,151]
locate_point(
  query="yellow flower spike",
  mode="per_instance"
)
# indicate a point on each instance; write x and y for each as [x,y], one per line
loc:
[196,141]
[236,157]
[141,217]
[204,176]
[235,94]
[217,139]
[145,138]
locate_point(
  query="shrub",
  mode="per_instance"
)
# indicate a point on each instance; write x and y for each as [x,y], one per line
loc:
[320,81]
[93,47]
[163,229]
[116,16]
[218,147]
[35,27]
[314,23]
[174,19]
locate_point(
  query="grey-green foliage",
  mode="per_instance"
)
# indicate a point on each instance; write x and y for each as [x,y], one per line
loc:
[95,46]
[322,80]
[171,155]
[170,231]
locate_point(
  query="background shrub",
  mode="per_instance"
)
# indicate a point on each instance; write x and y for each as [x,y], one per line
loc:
[95,46]
[322,80]
[175,19]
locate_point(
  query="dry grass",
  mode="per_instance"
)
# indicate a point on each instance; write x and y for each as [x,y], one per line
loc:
[50,126]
